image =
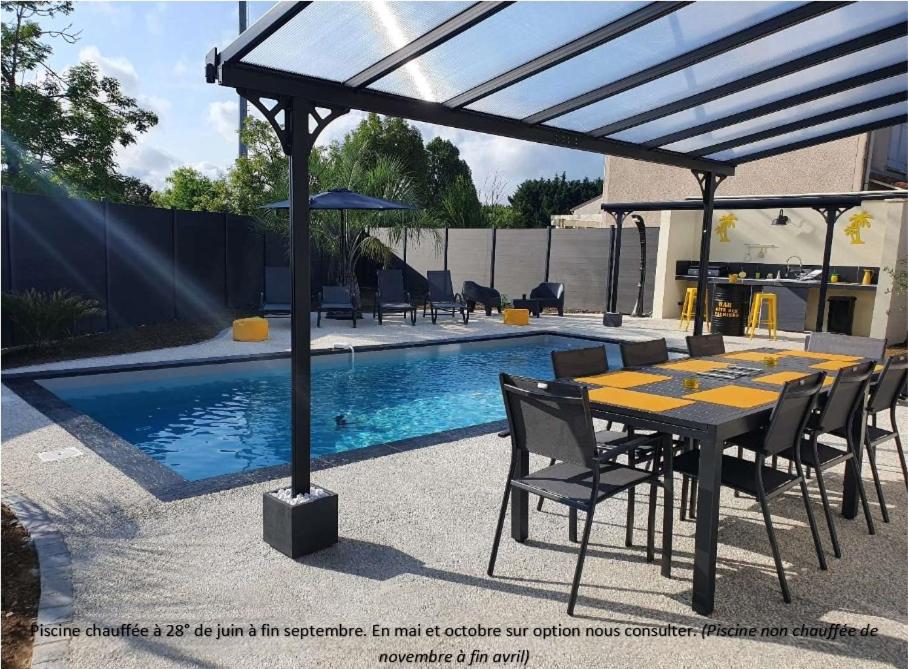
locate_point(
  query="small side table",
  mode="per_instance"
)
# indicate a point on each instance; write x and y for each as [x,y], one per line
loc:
[530,305]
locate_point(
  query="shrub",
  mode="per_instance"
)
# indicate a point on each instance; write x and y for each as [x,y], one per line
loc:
[43,317]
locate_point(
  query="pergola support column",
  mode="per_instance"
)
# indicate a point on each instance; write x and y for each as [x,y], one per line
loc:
[709,182]
[298,529]
[830,216]
[611,317]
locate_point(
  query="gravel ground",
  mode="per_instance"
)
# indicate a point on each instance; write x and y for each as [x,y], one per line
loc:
[415,530]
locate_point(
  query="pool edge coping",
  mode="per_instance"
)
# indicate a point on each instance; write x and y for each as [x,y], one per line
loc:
[164,483]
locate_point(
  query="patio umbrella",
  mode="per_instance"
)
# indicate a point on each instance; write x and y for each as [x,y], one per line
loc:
[342,200]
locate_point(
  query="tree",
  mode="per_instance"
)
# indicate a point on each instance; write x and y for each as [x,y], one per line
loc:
[187,188]
[444,166]
[395,139]
[61,132]
[345,236]
[536,200]
[459,207]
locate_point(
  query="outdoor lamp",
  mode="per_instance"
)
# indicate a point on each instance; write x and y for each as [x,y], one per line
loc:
[781,219]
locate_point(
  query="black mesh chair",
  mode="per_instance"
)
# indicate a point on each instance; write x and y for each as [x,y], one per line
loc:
[549,295]
[700,346]
[391,296]
[441,297]
[884,396]
[335,299]
[644,353]
[830,342]
[553,419]
[784,432]
[489,298]
[640,448]
[844,403]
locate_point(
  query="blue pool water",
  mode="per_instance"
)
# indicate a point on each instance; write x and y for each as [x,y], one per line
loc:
[207,421]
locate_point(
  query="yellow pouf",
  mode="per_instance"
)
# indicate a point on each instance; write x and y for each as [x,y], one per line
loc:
[516,316]
[250,329]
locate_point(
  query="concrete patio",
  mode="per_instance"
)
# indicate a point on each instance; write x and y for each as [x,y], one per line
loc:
[415,530]
[395,331]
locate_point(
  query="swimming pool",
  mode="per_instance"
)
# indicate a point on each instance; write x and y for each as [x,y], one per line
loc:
[203,421]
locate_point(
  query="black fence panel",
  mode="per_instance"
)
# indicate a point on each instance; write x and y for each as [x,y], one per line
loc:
[520,261]
[201,281]
[244,253]
[5,276]
[578,260]
[140,265]
[469,256]
[58,243]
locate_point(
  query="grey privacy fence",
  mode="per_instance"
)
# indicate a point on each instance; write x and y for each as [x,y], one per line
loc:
[514,261]
[144,265]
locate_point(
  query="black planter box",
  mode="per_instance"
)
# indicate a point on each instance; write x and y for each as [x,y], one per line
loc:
[301,529]
[611,320]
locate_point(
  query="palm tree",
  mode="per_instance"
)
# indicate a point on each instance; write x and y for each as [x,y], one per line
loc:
[345,236]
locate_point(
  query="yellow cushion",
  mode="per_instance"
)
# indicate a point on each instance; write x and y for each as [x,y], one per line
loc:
[250,329]
[516,316]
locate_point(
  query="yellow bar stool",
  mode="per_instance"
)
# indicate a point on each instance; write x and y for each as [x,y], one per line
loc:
[689,308]
[756,319]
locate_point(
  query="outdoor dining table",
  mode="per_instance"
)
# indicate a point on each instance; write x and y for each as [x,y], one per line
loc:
[686,398]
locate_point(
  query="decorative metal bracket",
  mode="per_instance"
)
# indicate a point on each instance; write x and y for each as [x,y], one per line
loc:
[831,214]
[285,104]
[703,180]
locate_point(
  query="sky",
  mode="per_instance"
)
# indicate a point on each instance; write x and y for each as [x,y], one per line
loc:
[157,51]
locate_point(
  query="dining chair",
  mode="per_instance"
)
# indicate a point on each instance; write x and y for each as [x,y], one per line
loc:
[843,404]
[784,431]
[553,419]
[829,342]
[640,449]
[644,353]
[699,346]
[884,396]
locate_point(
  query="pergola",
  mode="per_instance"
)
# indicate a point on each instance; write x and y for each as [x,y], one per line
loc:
[830,206]
[702,86]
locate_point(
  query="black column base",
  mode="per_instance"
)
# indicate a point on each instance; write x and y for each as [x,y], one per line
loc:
[300,529]
[611,320]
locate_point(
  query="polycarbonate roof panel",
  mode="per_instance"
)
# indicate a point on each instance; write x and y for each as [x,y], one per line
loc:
[512,37]
[799,40]
[335,40]
[430,53]
[670,36]
[874,58]
[830,103]
[741,152]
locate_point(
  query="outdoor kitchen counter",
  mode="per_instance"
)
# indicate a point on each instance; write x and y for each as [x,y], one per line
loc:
[798,300]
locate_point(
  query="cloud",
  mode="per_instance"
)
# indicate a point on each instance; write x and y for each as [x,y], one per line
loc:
[223,116]
[147,162]
[118,67]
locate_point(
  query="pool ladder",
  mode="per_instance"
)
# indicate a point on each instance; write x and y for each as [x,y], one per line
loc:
[346,347]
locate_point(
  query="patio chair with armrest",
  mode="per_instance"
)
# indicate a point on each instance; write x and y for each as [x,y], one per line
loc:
[441,297]
[473,293]
[390,297]
[581,362]
[844,403]
[335,299]
[549,295]
[784,432]
[828,342]
[884,396]
[700,346]
[554,420]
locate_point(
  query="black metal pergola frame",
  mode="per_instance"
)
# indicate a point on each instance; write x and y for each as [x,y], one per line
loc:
[307,104]
[830,207]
